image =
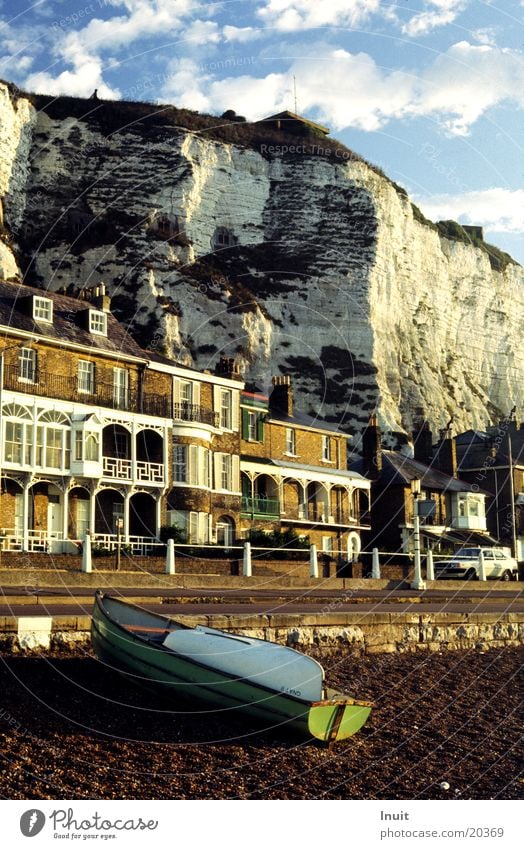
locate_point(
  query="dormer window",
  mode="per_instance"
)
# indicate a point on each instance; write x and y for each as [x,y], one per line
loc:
[98,322]
[42,309]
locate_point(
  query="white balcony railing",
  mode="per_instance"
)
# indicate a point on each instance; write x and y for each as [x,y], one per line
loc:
[122,469]
[149,472]
[12,539]
[115,467]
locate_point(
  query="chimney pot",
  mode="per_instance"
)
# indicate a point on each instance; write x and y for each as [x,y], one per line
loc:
[281,398]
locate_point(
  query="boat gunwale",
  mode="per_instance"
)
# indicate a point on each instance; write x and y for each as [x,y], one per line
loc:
[100,596]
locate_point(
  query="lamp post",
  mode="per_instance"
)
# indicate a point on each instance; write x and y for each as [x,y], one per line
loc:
[417,583]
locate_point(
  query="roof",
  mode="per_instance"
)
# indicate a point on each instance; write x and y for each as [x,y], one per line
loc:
[286,115]
[66,327]
[303,420]
[460,537]
[399,470]
[303,470]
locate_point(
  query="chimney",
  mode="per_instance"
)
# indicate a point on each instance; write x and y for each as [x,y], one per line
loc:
[423,442]
[372,449]
[227,367]
[281,398]
[99,298]
[446,455]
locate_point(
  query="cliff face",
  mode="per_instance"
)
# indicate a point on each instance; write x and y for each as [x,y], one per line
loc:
[302,263]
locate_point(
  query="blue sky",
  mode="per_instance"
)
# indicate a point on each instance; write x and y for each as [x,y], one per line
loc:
[430,90]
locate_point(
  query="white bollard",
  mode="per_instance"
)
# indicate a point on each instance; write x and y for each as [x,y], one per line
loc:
[246,560]
[375,564]
[417,582]
[170,557]
[87,565]
[482,567]
[430,571]
[313,561]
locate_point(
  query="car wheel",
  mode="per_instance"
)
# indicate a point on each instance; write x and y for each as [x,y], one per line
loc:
[471,575]
[506,575]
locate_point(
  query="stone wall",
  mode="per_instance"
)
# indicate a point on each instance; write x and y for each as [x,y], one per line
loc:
[325,634]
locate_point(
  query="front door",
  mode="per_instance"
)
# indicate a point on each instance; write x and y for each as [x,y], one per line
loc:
[82,518]
[54,521]
[225,533]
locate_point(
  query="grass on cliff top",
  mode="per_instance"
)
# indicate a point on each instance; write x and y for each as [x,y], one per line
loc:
[113,116]
[499,260]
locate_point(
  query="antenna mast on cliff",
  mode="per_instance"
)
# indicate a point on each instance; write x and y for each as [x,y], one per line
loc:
[295,93]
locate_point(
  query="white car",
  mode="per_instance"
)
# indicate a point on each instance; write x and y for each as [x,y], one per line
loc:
[498,563]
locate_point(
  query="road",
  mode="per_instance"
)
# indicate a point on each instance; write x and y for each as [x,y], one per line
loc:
[172,601]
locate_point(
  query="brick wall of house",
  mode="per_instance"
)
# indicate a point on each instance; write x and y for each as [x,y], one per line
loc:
[308,447]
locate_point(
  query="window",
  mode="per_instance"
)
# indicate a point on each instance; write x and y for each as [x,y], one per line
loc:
[18,435]
[53,441]
[186,392]
[86,377]
[27,365]
[252,426]
[87,446]
[14,441]
[42,309]
[326,448]
[120,388]
[180,463]
[191,465]
[225,472]
[291,444]
[118,516]
[327,545]
[226,408]
[98,322]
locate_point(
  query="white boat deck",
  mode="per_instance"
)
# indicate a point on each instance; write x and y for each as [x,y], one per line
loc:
[268,664]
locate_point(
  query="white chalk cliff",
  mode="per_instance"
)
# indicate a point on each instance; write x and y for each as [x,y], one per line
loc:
[330,277]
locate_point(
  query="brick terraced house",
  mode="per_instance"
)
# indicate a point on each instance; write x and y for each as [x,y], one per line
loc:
[294,474]
[94,430]
[100,435]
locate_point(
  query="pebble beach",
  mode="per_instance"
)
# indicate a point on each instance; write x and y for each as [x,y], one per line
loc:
[443,726]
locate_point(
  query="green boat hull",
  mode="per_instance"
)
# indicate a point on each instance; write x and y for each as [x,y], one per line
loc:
[186,680]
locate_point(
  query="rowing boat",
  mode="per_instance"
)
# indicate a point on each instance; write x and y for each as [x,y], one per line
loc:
[273,684]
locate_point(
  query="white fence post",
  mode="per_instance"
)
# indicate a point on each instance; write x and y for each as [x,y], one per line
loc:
[375,564]
[87,565]
[430,571]
[246,560]
[313,561]
[417,582]
[170,557]
[482,567]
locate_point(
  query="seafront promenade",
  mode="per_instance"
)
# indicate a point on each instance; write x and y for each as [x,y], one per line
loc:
[48,610]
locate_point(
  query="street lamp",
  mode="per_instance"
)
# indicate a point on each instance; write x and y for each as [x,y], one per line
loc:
[417,583]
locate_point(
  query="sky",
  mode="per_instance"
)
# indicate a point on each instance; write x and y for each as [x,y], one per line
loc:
[432,91]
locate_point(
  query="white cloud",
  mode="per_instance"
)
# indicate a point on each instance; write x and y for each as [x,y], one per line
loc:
[466,81]
[79,83]
[202,32]
[486,35]
[456,90]
[438,14]
[82,48]
[499,210]
[241,34]
[291,15]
